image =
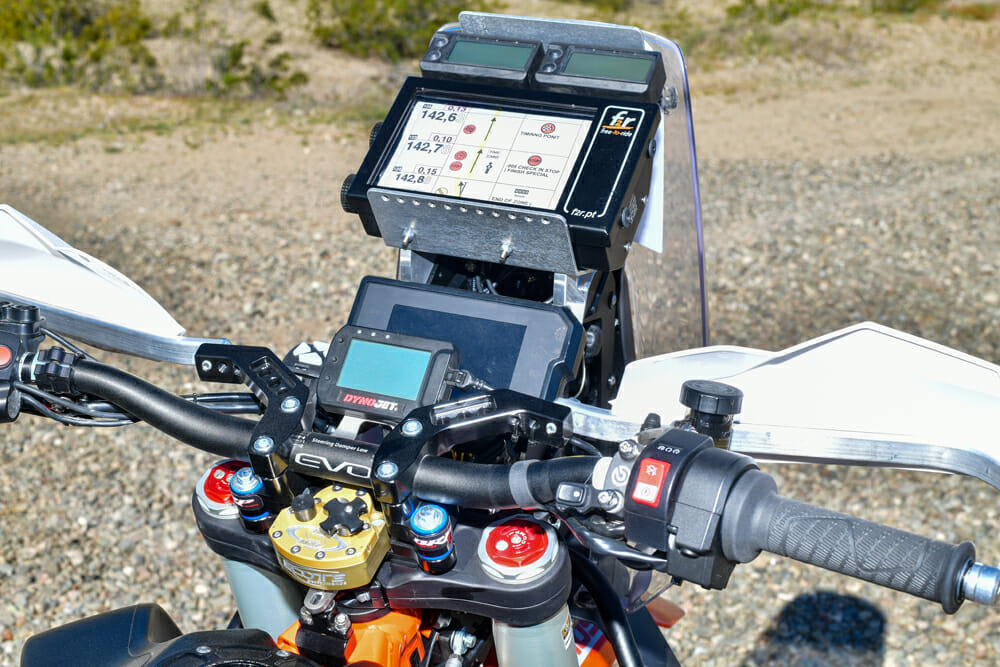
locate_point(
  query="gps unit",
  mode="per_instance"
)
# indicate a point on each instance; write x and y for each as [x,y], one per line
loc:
[452,55]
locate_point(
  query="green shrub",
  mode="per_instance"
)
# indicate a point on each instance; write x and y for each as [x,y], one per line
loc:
[263,10]
[901,6]
[97,43]
[390,29]
[609,8]
[770,11]
[977,11]
[235,73]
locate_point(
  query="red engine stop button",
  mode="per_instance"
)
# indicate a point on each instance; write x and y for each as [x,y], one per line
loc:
[517,543]
[649,483]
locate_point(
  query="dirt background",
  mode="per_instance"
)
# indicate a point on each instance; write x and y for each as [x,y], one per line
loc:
[232,220]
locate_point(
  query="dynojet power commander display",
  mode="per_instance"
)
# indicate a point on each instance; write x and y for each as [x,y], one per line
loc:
[514,152]
[383,374]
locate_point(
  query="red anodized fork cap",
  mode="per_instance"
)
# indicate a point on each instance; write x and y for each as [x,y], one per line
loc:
[516,543]
[217,481]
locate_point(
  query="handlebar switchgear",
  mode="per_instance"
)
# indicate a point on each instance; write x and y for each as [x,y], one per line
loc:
[708,509]
[20,334]
[674,503]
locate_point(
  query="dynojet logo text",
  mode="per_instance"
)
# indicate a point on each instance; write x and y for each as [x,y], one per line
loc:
[366,401]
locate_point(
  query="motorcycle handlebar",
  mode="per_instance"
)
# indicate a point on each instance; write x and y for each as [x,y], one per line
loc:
[524,484]
[756,518]
[210,431]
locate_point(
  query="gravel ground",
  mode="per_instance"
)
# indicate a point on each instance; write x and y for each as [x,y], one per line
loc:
[242,236]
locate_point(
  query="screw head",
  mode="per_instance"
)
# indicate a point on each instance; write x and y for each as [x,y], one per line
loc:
[387,471]
[341,622]
[206,365]
[412,428]
[628,449]
[290,404]
[203,650]
[608,499]
[263,445]
[627,217]
[551,428]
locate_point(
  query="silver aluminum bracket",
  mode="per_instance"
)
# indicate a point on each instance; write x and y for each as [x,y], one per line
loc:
[473,230]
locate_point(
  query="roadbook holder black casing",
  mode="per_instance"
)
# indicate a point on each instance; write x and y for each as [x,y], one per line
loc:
[530,178]
[530,347]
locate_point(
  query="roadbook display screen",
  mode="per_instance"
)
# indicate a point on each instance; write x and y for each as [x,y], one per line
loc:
[486,153]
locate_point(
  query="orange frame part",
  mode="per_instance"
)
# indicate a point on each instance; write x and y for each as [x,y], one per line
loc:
[391,640]
[388,641]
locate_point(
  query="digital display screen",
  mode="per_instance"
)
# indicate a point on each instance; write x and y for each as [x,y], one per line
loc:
[607,66]
[389,370]
[510,56]
[486,153]
[489,349]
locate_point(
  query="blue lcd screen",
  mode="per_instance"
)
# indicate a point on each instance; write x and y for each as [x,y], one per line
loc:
[388,370]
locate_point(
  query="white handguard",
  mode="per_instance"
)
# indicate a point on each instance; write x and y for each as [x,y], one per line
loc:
[83,297]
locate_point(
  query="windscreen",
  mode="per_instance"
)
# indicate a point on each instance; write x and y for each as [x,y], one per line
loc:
[486,153]
[667,283]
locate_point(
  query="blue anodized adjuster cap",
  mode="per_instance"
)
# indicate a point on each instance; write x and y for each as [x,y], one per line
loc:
[429,519]
[245,482]
[430,532]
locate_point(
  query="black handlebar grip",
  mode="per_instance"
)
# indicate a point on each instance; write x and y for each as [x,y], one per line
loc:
[756,518]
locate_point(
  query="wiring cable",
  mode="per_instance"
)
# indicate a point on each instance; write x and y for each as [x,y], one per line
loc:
[46,411]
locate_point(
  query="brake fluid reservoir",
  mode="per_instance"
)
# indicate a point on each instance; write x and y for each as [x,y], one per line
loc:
[337,546]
